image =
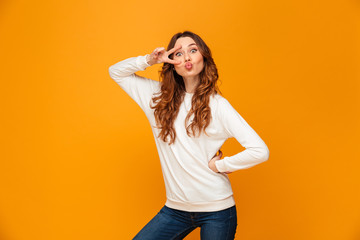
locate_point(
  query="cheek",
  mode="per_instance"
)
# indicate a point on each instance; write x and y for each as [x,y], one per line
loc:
[199,59]
[200,63]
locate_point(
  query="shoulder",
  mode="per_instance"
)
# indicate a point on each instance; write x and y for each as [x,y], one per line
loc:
[156,87]
[145,81]
[222,107]
[218,105]
[218,100]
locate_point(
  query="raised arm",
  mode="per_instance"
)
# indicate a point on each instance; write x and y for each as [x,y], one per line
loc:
[139,88]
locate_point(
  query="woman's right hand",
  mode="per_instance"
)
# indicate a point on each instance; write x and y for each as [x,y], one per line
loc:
[212,165]
[160,55]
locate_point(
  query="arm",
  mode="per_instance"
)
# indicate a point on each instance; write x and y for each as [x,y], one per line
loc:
[128,66]
[235,126]
[140,89]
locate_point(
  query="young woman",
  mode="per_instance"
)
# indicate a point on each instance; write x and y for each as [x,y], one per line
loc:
[190,121]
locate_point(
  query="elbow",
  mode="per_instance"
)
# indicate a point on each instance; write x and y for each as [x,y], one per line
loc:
[262,153]
[112,72]
[265,153]
[117,73]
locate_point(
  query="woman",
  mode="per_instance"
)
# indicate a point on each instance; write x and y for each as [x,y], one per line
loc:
[190,122]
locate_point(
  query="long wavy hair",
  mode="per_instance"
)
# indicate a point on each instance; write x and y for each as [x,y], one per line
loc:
[172,93]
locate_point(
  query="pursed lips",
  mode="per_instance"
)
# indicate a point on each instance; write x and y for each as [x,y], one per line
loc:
[188,65]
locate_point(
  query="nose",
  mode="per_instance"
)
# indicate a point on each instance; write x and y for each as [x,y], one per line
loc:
[187,57]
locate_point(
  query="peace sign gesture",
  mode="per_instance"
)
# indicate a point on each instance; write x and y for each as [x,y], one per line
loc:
[160,55]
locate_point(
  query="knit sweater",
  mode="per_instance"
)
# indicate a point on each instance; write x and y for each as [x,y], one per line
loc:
[189,182]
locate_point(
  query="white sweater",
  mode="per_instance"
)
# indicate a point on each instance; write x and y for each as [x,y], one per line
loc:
[190,184]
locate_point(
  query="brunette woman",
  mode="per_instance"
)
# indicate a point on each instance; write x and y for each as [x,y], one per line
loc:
[190,121]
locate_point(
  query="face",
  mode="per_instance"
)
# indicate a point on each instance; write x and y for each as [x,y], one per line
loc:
[191,60]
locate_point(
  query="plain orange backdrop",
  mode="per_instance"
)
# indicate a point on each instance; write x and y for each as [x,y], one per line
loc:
[78,158]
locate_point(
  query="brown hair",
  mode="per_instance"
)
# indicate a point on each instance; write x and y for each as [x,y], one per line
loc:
[173,91]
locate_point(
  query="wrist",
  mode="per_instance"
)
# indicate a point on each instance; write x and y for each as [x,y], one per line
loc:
[148,59]
[213,166]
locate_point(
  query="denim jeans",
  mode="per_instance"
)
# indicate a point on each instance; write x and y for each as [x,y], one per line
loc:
[173,224]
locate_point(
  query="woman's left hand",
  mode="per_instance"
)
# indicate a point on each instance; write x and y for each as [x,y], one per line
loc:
[212,165]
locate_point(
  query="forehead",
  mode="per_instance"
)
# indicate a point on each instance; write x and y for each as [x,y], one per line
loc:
[184,41]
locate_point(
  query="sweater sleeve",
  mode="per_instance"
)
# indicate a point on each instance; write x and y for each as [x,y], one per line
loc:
[234,125]
[139,88]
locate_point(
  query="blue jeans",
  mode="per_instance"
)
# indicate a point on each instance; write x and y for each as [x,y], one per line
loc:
[173,224]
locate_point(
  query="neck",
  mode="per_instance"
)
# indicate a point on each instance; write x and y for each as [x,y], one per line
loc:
[191,83]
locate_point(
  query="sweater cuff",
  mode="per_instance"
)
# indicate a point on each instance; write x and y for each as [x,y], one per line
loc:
[142,63]
[220,165]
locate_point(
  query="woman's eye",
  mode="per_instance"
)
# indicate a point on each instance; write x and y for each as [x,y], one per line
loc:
[177,54]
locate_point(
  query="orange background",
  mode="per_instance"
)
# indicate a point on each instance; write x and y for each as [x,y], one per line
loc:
[78,156]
